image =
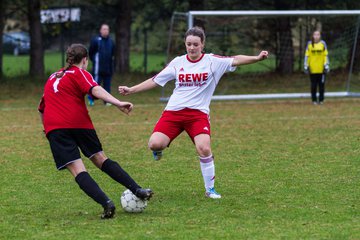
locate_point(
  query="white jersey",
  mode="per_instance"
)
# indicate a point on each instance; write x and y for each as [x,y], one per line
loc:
[195,81]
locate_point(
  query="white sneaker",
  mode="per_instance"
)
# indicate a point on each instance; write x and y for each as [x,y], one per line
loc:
[108,104]
[211,193]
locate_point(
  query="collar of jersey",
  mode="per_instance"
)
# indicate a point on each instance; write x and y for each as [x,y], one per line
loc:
[194,61]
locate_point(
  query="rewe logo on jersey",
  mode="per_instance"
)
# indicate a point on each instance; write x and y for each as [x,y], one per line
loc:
[193,77]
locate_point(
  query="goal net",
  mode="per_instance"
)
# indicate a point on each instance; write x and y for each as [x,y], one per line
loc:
[285,35]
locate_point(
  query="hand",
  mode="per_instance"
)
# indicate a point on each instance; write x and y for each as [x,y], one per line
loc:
[263,55]
[326,68]
[124,90]
[125,107]
[306,69]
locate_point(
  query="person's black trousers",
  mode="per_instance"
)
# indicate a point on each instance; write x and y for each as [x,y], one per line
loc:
[317,80]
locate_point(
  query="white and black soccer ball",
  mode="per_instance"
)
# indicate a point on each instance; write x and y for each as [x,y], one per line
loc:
[131,203]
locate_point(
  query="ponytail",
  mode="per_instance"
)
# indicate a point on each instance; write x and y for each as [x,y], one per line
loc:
[74,54]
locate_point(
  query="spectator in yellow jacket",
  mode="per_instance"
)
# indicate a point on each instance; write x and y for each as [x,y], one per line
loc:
[316,63]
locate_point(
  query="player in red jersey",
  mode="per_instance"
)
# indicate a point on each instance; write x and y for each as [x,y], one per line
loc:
[196,76]
[68,127]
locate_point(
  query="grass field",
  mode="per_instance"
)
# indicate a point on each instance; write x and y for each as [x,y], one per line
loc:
[286,170]
[19,65]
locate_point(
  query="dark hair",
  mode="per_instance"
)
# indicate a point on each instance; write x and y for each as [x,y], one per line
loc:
[312,37]
[196,31]
[74,54]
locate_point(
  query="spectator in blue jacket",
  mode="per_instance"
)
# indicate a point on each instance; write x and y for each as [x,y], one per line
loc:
[101,53]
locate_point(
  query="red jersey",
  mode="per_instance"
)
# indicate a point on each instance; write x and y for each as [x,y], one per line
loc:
[63,103]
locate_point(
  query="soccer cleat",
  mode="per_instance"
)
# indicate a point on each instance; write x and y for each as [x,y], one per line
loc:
[144,194]
[157,155]
[91,102]
[315,103]
[109,210]
[211,193]
[108,104]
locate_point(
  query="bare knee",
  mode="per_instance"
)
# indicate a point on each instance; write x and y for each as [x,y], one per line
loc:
[156,145]
[158,141]
[203,146]
[76,167]
[204,150]
[98,159]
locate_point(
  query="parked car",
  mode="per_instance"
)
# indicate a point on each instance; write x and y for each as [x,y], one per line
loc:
[16,43]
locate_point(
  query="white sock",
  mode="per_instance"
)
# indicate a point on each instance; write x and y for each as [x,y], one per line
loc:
[208,171]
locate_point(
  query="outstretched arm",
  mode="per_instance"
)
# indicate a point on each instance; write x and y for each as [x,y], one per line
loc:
[146,85]
[102,94]
[244,59]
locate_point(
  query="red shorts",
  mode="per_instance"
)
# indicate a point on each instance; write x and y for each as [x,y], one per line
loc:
[172,123]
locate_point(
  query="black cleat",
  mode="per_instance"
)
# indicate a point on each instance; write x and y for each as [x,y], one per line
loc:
[109,210]
[144,194]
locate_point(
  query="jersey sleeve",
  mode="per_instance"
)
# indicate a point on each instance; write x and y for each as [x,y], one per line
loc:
[86,82]
[167,74]
[221,65]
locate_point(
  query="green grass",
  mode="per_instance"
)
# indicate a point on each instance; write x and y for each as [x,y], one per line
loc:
[19,65]
[286,170]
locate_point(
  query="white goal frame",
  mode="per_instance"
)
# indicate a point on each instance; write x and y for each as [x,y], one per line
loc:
[190,21]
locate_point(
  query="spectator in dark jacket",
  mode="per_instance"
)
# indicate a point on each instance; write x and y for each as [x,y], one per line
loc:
[101,53]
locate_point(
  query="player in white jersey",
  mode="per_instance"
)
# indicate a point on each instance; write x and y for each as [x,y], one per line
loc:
[196,76]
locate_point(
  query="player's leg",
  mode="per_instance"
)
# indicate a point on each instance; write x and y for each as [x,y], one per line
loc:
[165,130]
[90,145]
[202,144]
[67,156]
[116,172]
[313,81]
[197,125]
[157,143]
[90,187]
[321,88]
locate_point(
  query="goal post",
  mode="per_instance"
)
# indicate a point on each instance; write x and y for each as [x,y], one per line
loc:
[227,28]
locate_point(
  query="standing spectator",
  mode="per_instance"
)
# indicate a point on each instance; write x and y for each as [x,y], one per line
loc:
[316,63]
[101,53]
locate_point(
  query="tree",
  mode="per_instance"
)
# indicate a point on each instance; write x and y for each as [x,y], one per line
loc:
[36,48]
[2,18]
[122,34]
[285,48]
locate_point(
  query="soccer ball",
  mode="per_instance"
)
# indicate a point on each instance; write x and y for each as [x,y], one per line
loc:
[131,203]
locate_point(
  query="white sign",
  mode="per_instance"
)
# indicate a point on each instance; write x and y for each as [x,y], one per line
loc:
[60,15]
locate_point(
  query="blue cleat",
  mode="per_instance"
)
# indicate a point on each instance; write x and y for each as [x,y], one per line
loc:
[211,193]
[157,155]
[91,102]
